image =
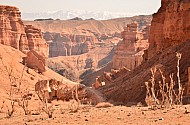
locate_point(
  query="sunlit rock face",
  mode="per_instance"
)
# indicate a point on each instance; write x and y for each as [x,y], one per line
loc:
[170,26]
[15,34]
[129,51]
[63,44]
[36,41]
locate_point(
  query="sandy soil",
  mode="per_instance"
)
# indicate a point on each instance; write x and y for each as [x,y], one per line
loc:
[90,115]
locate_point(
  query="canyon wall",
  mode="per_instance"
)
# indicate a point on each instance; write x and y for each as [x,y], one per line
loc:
[14,33]
[170,26]
[75,37]
[36,41]
[63,44]
[169,33]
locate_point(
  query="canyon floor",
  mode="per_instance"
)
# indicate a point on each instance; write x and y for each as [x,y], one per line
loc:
[89,115]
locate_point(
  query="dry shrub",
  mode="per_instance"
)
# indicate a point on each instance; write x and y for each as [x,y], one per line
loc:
[48,109]
[75,103]
[15,89]
[104,105]
[168,95]
[24,101]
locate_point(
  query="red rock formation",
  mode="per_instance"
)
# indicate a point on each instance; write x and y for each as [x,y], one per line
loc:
[12,30]
[63,44]
[14,34]
[129,51]
[170,26]
[36,41]
[35,61]
[109,77]
[188,83]
[168,34]
[53,89]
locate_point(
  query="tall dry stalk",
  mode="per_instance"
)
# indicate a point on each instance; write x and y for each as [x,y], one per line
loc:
[169,95]
[153,71]
[75,107]
[180,89]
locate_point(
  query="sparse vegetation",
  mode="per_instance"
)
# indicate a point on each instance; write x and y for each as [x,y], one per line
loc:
[48,109]
[75,103]
[24,102]
[104,105]
[162,93]
[14,91]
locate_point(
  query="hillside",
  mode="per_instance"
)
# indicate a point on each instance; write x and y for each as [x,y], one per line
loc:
[12,60]
[97,26]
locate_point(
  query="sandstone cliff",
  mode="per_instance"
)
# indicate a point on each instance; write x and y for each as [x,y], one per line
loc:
[168,34]
[63,44]
[14,33]
[75,37]
[36,41]
[129,52]
[170,26]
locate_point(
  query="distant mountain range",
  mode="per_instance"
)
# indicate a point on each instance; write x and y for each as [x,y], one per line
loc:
[64,15]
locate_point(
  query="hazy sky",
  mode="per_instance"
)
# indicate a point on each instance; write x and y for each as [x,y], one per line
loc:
[125,6]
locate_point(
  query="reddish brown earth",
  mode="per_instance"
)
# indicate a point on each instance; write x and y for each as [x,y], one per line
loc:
[88,115]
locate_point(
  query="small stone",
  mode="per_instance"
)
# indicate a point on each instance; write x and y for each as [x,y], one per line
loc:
[186,111]
[161,118]
[86,119]
[119,118]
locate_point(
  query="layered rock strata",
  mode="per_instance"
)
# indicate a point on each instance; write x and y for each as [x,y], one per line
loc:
[129,52]
[63,44]
[15,34]
[169,33]
[170,26]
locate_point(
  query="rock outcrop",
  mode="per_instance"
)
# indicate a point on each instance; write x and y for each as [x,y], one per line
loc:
[12,30]
[54,89]
[14,33]
[63,44]
[131,86]
[109,77]
[35,61]
[169,34]
[36,41]
[129,52]
[170,26]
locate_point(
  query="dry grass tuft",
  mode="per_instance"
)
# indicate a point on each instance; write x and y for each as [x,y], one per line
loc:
[104,105]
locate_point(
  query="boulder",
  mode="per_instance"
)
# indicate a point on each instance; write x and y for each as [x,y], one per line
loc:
[54,89]
[35,61]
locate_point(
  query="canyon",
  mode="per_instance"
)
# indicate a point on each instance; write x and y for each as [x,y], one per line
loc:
[164,43]
[80,36]
[81,42]
[108,62]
